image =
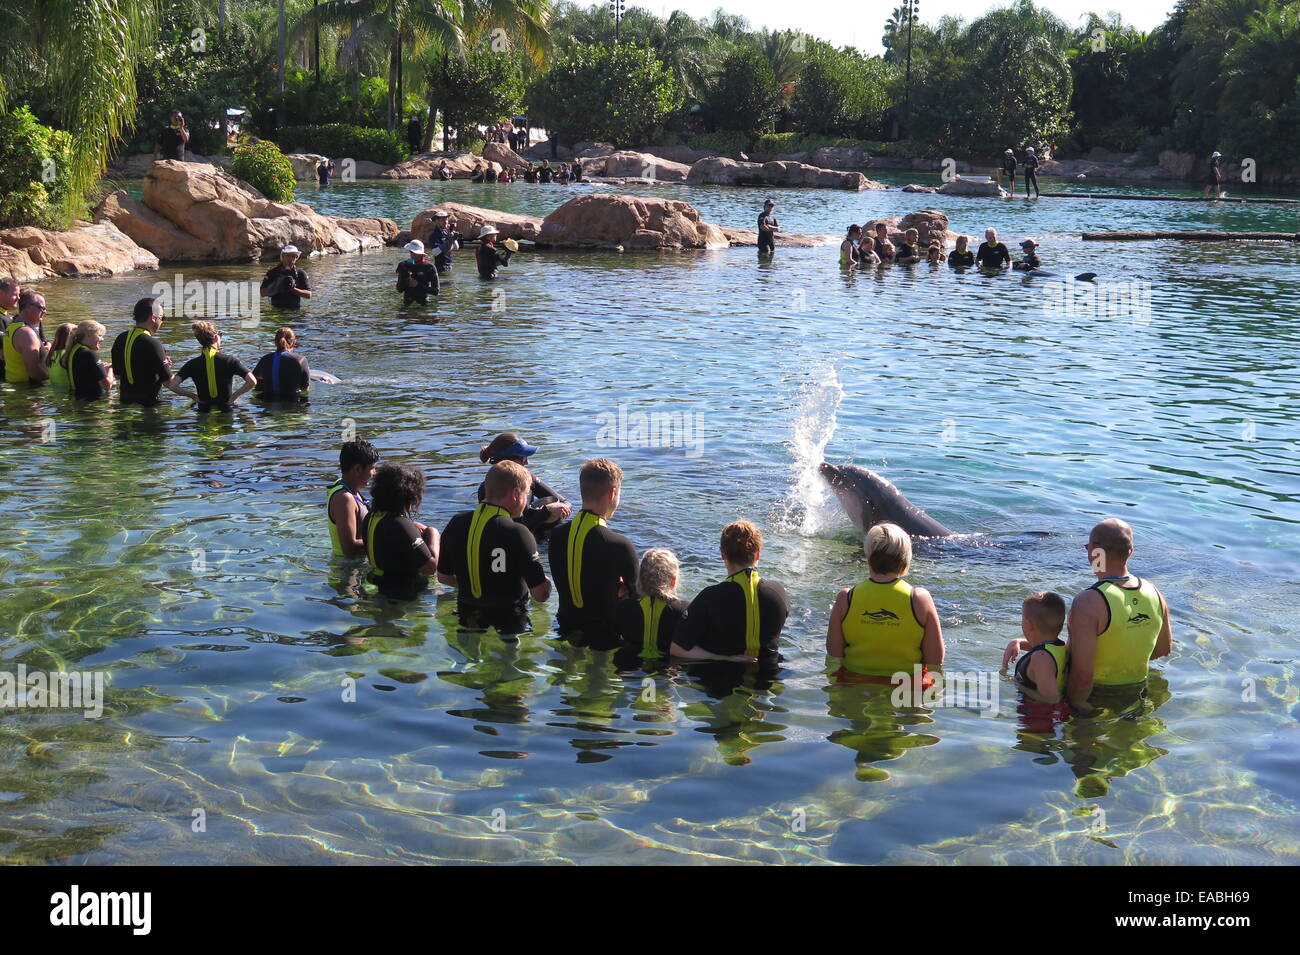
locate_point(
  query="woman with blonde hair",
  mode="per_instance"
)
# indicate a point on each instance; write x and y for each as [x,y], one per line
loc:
[54,358]
[647,624]
[88,377]
[546,507]
[884,625]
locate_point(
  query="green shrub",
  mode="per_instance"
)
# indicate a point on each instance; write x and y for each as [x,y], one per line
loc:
[745,94]
[720,143]
[264,167]
[34,160]
[343,141]
[471,143]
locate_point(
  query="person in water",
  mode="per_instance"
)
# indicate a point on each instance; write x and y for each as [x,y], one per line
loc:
[768,227]
[58,374]
[1119,624]
[403,553]
[492,559]
[907,251]
[88,378]
[1031,172]
[1040,673]
[867,250]
[24,343]
[283,375]
[992,254]
[885,626]
[443,239]
[884,248]
[417,277]
[741,618]
[140,362]
[647,623]
[961,256]
[444,171]
[934,252]
[346,507]
[593,566]
[286,284]
[488,257]
[10,291]
[324,170]
[545,173]
[1214,178]
[849,254]
[546,507]
[1009,170]
[213,370]
[1031,260]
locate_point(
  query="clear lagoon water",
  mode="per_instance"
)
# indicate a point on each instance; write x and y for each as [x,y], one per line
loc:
[188,560]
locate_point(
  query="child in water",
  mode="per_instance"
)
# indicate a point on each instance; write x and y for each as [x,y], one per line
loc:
[1040,673]
[934,252]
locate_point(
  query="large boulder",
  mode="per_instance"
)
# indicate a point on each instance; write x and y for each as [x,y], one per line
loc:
[928,224]
[539,151]
[366,169]
[682,154]
[626,164]
[425,166]
[28,253]
[505,157]
[590,150]
[606,221]
[720,171]
[304,165]
[470,219]
[227,220]
[971,187]
[1178,165]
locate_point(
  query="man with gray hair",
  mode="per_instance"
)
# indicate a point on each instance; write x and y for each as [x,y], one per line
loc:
[1119,624]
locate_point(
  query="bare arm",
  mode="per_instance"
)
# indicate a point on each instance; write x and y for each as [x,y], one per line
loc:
[835,629]
[29,347]
[1013,650]
[448,579]
[932,648]
[699,653]
[343,512]
[542,591]
[1042,670]
[1085,626]
[1164,642]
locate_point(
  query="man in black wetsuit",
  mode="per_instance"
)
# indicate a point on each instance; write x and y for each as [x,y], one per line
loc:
[417,278]
[488,257]
[140,363]
[992,254]
[1009,170]
[593,566]
[491,559]
[1214,178]
[768,227]
[286,284]
[545,173]
[1031,171]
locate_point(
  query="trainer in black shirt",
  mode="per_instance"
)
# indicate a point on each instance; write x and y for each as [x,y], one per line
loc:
[961,256]
[283,375]
[740,618]
[402,552]
[212,371]
[286,284]
[491,559]
[768,227]
[140,363]
[546,507]
[992,254]
[593,566]
[417,278]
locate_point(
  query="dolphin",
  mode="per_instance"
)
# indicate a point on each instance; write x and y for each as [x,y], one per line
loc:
[869,499]
[324,377]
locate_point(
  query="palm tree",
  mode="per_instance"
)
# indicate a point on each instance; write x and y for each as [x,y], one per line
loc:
[1262,66]
[86,52]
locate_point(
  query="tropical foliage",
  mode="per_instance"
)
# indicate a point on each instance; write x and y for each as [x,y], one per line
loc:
[263,166]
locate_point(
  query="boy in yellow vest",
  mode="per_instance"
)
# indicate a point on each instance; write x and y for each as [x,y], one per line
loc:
[1040,673]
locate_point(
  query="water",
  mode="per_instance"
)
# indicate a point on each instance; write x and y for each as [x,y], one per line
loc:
[188,560]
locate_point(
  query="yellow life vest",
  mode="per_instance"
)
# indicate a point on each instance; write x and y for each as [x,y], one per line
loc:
[1124,648]
[881,633]
[131,335]
[372,522]
[652,611]
[747,580]
[1056,650]
[578,531]
[15,367]
[334,528]
[482,514]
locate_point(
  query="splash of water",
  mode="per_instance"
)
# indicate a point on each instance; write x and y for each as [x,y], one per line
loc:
[810,505]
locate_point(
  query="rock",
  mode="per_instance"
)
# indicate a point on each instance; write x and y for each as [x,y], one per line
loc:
[304,165]
[505,157]
[366,169]
[681,154]
[589,150]
[720,171]
[841,157]
[221,162]
[970,187]
[1179,165]
[913,187]
[399,238]
[804,156]
[606,221]
[470,219]
[928,224]
[626,164]
[28,253]
[195,212]
[749,237]
[542,150]
[425,166]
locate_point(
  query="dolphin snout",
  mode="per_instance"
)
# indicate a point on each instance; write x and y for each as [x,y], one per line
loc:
[831,473]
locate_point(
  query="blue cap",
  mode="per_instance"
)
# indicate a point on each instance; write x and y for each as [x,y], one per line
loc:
[520,449]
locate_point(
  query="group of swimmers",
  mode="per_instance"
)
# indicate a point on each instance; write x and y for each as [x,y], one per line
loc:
[863,247]
[879,630]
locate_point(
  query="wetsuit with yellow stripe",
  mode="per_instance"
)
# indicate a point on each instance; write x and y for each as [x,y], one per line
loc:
[882,635]
[397,553]
[1054,649]
[1125,645]
[495,562]
[85,377]
[363,510]
[742,616]
[591,564]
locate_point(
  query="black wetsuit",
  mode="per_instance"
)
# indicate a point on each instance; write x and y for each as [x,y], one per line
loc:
[282,376]
[905,250]
[1215,175]
[508,565]
[87,378]
[545,173]
[489,258]
[1032,261]
[323,172]
[993,256]
[171,144]
[530,174]
[629,622]
[226,367]
[957,259]
[397,552]
[535,514]
[715,619]
[1031,173]
[1022,665]
[1009,167]
[140,383]
[607,561]
[444,240]
[766,235]
[278,282]
[425,274]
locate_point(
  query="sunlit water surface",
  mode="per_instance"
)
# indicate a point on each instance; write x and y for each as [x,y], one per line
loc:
[187,557]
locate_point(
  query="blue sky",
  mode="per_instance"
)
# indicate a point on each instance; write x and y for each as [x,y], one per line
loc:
[859,23]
